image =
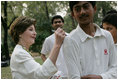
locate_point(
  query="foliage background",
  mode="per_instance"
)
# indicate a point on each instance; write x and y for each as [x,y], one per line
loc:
[43,11]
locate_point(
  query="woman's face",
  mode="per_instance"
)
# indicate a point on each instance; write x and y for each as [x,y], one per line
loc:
[28,37]
[112,29]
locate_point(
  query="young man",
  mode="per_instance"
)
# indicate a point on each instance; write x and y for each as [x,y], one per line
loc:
[109,23]
[57,21]
[89,50]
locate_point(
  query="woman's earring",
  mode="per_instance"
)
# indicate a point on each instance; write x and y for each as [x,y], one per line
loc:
[19,36]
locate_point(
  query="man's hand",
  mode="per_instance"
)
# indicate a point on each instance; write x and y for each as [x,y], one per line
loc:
[90,76]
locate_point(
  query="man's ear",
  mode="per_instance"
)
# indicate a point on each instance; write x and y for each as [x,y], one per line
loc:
[95,9]
[72,14]
[53,26]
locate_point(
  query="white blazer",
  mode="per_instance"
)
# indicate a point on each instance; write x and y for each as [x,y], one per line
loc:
[23,66]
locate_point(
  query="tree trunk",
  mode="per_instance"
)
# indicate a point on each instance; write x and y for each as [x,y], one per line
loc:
[4,23]
[103,12]
[47,14]
[46,8]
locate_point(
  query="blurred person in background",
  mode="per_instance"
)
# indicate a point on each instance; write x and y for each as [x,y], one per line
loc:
[109,23]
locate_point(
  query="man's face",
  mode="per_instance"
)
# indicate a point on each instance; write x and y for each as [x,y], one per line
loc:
[112,29]
[83,12]
[57,23]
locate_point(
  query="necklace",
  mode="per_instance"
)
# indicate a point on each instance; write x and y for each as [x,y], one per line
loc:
[26,49]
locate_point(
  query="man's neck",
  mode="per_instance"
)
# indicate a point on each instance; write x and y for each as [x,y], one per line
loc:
[115,41]
[89,29]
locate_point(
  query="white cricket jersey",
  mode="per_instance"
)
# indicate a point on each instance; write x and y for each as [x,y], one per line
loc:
[85,54]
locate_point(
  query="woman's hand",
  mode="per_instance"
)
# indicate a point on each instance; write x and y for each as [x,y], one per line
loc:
[59,36]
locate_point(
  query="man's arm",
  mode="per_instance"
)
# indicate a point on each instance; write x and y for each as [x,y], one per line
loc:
[72,61]
[43,57]
[45,49]
[91,76]
[111,73]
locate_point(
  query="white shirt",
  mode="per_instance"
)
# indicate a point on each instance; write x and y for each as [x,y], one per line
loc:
[60,63]
[23,66]
[85,54]
[116,46]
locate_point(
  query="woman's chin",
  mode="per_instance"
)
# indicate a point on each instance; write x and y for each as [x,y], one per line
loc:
[32,43]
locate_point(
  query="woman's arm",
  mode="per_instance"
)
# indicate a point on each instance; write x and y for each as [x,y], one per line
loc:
[59,37]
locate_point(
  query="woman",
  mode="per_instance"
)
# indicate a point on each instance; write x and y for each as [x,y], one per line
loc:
[22,64]
[109,23]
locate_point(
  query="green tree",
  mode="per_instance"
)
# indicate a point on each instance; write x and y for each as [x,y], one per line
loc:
[102,8]
[43,11]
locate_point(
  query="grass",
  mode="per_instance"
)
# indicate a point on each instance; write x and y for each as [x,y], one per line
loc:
[39,60]
[6,72]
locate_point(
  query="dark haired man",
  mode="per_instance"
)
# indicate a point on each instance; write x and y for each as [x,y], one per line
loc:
[111,11]
[89,50]
[57,21]
[109,23]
